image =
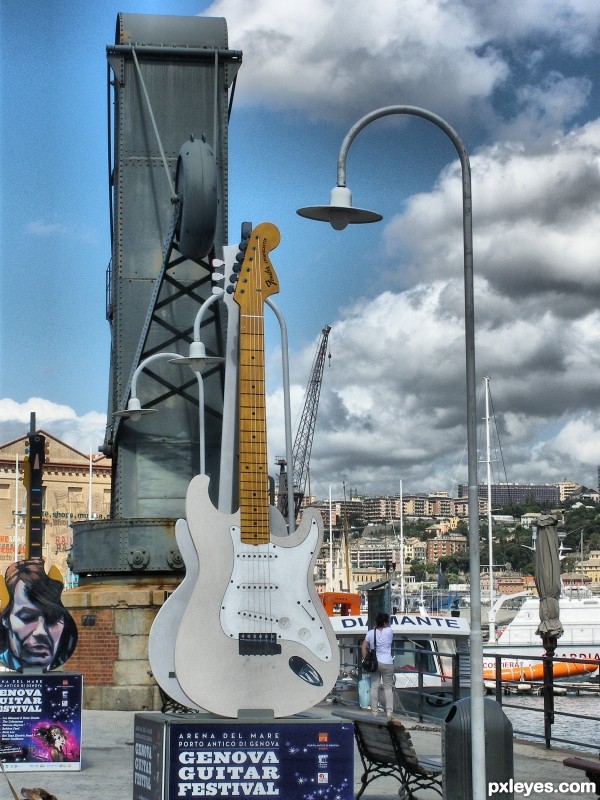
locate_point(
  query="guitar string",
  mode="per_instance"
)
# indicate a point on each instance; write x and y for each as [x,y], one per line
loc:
[257,591]
[252,605]
[260,429]
[249,623]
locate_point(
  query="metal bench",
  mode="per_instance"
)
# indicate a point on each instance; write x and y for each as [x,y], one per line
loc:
[386,749]
[591,769]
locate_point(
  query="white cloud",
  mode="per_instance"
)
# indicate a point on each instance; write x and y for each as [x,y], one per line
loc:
[393,405]
[571,26]
[393,402]
[54,228]
[579,439]
[334,59]
[80,431]
[535,220]
[337,57]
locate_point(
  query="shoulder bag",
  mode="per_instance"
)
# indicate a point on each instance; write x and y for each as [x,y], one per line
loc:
[369,662]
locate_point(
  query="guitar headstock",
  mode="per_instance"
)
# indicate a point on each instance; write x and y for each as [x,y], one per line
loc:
[256,279]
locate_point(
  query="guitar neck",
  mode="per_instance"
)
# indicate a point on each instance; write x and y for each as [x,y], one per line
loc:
[32,479]
[256,282]
[253,480]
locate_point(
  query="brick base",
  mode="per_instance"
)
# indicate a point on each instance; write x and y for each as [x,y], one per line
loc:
[112,650]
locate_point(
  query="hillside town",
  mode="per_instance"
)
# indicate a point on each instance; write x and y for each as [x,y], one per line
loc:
[420,540]
[424,544]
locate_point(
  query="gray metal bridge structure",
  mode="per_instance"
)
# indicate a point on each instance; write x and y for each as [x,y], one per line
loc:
[170,85]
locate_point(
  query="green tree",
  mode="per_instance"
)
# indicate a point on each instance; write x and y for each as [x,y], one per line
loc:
[418,569]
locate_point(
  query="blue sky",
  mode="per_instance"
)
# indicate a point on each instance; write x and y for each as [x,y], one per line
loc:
[517,81]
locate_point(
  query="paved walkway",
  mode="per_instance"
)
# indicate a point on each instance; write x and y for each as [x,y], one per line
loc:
[107,774]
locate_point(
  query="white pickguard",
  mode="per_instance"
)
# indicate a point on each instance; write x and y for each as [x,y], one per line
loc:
[268,593]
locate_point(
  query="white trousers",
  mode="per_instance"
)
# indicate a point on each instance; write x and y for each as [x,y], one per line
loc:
[385,674]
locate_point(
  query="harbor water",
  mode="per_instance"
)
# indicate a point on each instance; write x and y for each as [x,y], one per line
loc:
[576,719]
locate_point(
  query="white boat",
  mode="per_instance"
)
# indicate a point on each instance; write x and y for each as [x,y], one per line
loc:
[579,617]
[425,648]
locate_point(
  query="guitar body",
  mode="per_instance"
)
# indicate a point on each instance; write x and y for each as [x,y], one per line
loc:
[255,634]
[163,633]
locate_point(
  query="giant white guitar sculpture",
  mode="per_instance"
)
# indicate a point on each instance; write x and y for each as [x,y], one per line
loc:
[255,635]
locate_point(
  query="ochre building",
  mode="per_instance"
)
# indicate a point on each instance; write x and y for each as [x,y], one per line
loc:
[70,481]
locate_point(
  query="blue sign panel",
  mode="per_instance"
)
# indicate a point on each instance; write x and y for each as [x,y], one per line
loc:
[295,760]
[148,759]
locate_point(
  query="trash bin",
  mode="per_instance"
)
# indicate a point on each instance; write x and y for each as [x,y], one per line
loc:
[456,749]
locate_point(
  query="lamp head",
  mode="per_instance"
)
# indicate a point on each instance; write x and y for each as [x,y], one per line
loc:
[134,410]
[339,213]
[197,358]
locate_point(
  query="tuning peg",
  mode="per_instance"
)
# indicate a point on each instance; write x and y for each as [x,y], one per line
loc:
[230,289]
[217,262]
[218,290]
[217,277]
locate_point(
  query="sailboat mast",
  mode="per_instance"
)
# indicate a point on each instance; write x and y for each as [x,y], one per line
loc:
[402,587]
[331,583]
[491,615]
[346,549]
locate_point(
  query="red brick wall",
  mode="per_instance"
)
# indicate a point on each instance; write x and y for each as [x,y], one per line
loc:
[97,647]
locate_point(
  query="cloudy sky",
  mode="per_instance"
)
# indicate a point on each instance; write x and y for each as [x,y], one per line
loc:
[517,81]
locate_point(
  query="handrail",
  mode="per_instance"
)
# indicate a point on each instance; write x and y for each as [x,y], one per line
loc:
[547,686]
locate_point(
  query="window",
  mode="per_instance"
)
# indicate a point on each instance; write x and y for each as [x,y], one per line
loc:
[75,495]
[406,651]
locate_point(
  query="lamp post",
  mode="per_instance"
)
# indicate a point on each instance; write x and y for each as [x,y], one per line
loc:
[339,213]
[197,360]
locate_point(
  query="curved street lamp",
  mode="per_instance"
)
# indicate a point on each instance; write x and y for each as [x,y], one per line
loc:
[339,213]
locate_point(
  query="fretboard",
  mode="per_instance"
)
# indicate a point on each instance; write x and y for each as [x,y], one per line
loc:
[254,487]
[256,282]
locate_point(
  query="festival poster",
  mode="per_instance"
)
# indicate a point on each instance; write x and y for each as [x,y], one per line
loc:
[40,721]
[294,760]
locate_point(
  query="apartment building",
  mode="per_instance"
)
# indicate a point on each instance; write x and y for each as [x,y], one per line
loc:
[503,494]
[376,509]
[414,549]
[441,505]
[591,567]
[367,555]
[329,517]
[351,508]
[442,546]
[566,489]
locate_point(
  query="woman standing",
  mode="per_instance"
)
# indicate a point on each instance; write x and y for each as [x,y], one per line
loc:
[380,639]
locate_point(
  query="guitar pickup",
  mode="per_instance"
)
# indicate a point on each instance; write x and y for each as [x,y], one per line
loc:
[259,644]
